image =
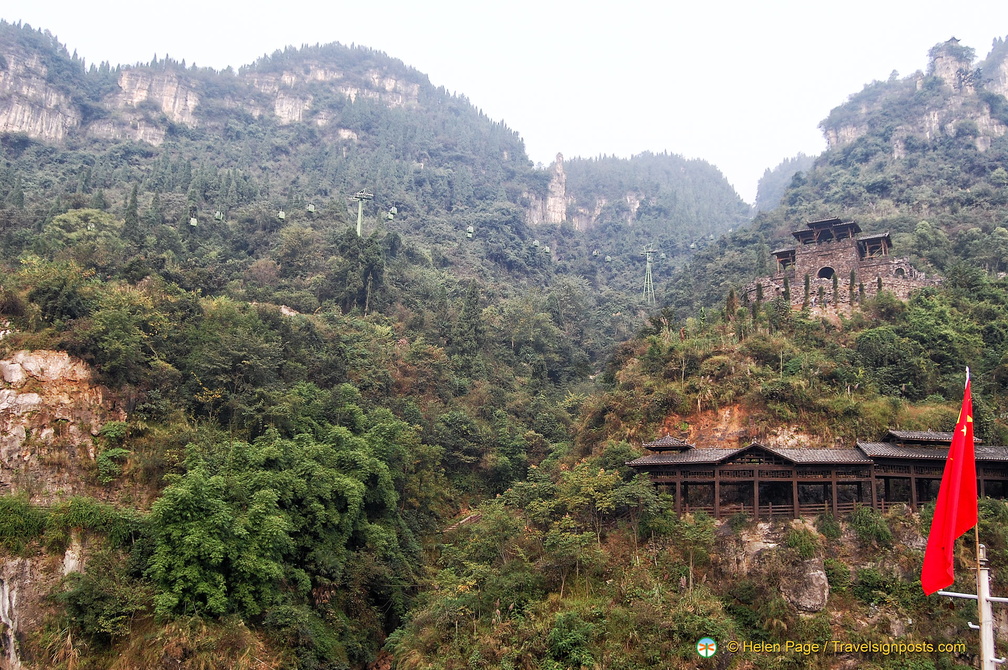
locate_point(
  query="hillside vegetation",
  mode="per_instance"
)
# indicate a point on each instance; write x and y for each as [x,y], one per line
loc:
[409,446]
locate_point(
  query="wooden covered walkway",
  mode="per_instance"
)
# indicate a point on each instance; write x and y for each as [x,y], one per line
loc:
[766,483]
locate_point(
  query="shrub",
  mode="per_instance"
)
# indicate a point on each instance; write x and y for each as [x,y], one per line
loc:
[803,541]
[838,574]
[828,525]
[20,522]
[872,587]
[870,527]
[101,602]
[109,465]
[568,641]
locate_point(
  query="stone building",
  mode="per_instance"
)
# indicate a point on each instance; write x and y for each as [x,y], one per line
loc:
[842,266]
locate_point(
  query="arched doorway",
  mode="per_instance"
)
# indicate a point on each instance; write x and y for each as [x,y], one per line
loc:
[826,273]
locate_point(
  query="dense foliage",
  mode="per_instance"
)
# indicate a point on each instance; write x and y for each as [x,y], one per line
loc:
[309,410]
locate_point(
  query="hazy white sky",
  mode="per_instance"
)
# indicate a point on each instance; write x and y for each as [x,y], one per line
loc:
[741,84]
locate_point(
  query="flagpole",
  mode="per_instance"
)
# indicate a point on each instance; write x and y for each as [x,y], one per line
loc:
[984,610]
[986,627]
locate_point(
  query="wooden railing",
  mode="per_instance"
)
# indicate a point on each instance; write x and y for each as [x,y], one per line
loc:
[771,511]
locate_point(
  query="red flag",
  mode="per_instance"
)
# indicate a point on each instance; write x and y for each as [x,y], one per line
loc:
[956,508]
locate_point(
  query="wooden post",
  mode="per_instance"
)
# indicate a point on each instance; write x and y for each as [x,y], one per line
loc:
[834,486]
[794,497]
[913,487]
[717,493]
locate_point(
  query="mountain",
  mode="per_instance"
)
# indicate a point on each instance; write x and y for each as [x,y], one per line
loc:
[312,124]
[920,157]
[239,434]
[774,182]
[300,405]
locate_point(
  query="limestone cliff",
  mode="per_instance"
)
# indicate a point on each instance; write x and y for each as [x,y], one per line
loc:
[52,106]
[559,205]
[994,69]
[948,101]
[50,412]
[28,103]
[553,207]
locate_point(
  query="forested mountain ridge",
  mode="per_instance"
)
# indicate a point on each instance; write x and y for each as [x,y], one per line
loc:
[421,146]
[335,446]
[304,406]
[921,157]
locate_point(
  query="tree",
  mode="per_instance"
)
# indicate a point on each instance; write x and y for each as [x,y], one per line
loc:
[62,290]
[218,545]
[470,330]
[731,305]
[131,218]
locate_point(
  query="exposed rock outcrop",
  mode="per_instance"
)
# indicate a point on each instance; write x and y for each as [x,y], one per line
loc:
[806,587]
[961,107]
[50,412]
[29,104]
[148,99]
[553,207]
[175,98]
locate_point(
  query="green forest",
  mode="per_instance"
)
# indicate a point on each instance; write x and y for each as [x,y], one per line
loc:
[407,448]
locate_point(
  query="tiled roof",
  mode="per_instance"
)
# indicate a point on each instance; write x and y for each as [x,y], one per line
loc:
[719,456]
[692,456]
[666,443]
[921,435]
[925,436]
[821,456]
[991,453]
[889,450]
[823,223]
[876,236]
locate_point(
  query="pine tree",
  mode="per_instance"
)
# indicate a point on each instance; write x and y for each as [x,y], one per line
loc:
[731,305]
[131,218]
[154,216]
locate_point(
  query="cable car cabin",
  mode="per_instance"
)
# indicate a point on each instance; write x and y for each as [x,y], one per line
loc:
[608,259]
[546,248]
[193,222]
[595,253]
[535,244]
[219,215]
[311,208]
[281,215]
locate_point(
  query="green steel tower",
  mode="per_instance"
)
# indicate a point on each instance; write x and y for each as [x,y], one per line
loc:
[649,295]
[361,196]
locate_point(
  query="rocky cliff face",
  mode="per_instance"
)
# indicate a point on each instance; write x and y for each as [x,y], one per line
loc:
[50,413]
[28,103]
[149,98]
[553,208]
[559,205]
[961,105]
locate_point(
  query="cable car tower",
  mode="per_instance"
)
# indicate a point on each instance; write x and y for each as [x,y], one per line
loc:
[360,197]
[649,295]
